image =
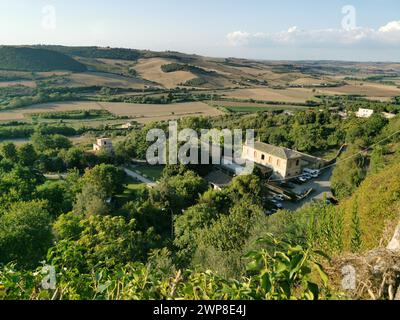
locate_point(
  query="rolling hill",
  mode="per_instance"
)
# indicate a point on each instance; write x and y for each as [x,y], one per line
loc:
[37,60]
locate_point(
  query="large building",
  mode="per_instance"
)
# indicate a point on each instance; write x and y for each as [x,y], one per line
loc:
[103,144]
[285,163]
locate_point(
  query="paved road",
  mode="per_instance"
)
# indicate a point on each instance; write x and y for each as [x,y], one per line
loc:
[139,177]
[321,186]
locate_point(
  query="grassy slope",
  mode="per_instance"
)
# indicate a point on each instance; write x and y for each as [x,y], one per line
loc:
[378,200]
[35,60]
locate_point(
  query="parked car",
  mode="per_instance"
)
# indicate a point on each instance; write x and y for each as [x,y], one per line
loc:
[302,179]
[312,173]
[278,197]
[307,177]
[298,181]
[277,204]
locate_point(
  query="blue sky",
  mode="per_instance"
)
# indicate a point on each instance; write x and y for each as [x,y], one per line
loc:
[284,29]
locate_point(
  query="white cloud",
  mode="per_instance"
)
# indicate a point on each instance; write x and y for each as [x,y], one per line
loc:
[239,38]
[393,26]
[386,35]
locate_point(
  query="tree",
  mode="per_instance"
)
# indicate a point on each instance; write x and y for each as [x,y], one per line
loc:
[230,232]
[179,192]
[19,184]
[106,241]
[247,187]
[25,233]
[188,226]
[46,142]
[68,226]
[58,196]
[91,201]
[106,178]
[27,155]
[9,151]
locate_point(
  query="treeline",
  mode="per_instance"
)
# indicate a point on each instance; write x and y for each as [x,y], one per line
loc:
[98,52]
[353,103]
[171,97]
[25,101]
[73,115]
[196,82]
[24,130]
[173,67]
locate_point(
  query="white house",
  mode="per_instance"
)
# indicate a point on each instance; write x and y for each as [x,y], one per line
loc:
[364,113]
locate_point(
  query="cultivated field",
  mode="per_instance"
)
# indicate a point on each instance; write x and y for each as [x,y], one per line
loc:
[254,107]
[150,69]
[30,84]
[104,79]
[368,89]
[292,95]
[142,113]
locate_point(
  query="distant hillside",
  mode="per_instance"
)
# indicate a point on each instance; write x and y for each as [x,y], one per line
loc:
[97,52]
[36,60]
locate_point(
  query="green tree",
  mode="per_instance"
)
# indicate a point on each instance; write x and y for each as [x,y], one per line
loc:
[107,178]
[27,155]
[73,158]
[9,151]
[25,233]
[188,227]
[91,201]
[58,196]
[179,192]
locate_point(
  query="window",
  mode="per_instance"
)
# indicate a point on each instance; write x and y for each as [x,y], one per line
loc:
[255,154]
[297,163]
[263,157]
[270,160]
[278,162]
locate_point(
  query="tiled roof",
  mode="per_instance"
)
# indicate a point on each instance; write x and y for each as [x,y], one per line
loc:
[280,152]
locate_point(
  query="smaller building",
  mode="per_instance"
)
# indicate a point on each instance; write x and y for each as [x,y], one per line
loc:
[127,125]
[388,115]
[103,144]
[364,113]
[218,179]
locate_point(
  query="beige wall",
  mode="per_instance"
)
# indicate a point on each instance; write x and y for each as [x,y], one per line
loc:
[282,167]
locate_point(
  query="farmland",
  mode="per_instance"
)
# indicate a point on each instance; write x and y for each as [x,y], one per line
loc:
[144,87]
[142,113]
[292,95]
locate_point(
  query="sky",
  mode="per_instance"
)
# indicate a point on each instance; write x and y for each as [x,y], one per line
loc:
[357,30]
